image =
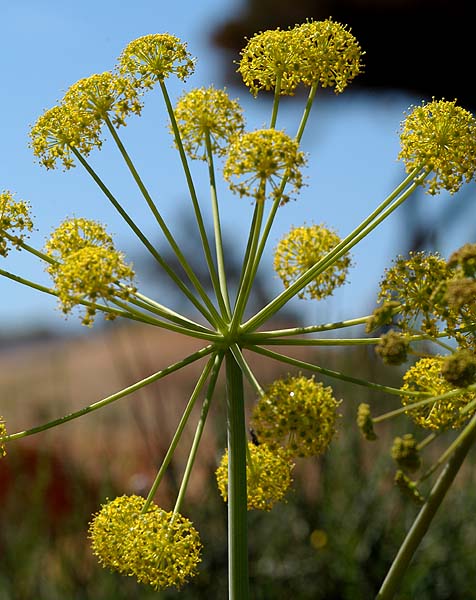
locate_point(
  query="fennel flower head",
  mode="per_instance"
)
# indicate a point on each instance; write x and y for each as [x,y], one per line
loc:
[297,413]
[426,376]
[268,476]
[322,52]
[441,137]
[86,266]
[208,116]
[159,548]
[15,220]
[300,250]
[260,158]
[155,57]
[3,432]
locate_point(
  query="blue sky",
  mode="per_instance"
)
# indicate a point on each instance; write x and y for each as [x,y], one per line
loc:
[352,142]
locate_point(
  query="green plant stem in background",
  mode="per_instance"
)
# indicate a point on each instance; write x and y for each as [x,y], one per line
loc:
[109,399]
[217,227]
[218,359]
[425,516]
[178,432]
[237,488]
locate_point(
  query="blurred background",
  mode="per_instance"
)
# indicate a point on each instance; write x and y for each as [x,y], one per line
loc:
[51,483]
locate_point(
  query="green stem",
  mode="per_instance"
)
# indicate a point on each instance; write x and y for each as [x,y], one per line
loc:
[277,96]
[105,401]
[330,373]
[198,432]
[376,217]
[158,217]
[425,516]
[191,187]
[246,369]
[258,337]
[20,243]
[222,294]
[307,111]
[237,491]
[170,272]
[178,433]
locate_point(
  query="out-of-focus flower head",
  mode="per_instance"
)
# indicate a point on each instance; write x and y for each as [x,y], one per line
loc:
[154,57]
[87,266]
[426,376]
[441,137]
[297,413]
[15,221]
[268,476]
[260,158]
[405,452]
[208,112]
[159,548]
[300,250]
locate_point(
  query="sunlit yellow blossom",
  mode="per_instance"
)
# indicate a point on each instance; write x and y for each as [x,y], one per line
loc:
[268,476]
[154,57]
[297,413]
[15,220]
[262,158]
[270,56]
[208,112]
[440,136]
[87,266]
[414,282]
[3,432]
[300,250]
[426,376]
[102,96]
[159,548]
[330,54]
[58,131]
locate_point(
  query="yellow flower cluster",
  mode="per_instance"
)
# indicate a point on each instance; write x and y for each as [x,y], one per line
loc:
[297,413]
[159,548]
[268,476]
[262,157]
[3,432]
[155,57]
[426,376]
[365,422]
[87,266]
[440,136]
[15,220]
[321,52]
[300,250]
[208,113]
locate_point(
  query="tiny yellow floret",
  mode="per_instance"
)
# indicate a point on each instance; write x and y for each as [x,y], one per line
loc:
[15,221]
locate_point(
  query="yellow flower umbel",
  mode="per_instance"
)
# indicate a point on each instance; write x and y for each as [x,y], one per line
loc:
[207,112]
[15,220]
[87,266]
[97,97]
[159,548]
[269,57]
[268,476]
[440,136]
[426,376]
[263,157]
[297,413]
[58,131]
[331,55]
[155,57]
[3,432]
[300,250]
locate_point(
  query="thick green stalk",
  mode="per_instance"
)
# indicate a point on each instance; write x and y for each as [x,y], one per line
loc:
[105,401]
[170,272]
[222,296]
[307,111]
[277,96]
[158,217]
[374,219]
[178,433]
[425,516]
[237,491]
[199,431]
[191,187]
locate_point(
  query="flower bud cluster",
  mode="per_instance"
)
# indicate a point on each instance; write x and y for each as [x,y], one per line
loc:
[15,221]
